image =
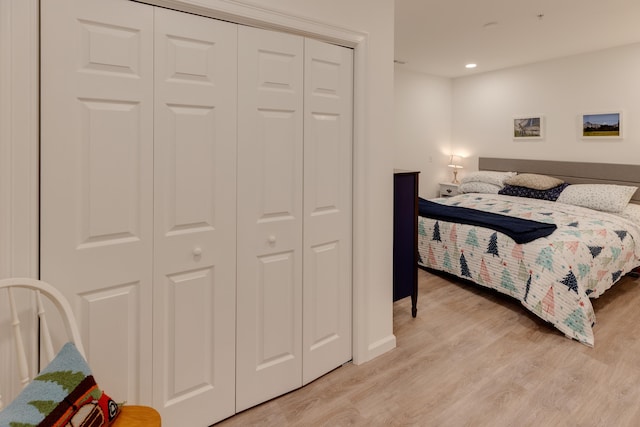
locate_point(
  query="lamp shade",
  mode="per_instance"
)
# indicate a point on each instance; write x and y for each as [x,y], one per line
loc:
[454,162]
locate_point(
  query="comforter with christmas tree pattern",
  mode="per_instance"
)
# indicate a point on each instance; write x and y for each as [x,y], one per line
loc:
[555,276]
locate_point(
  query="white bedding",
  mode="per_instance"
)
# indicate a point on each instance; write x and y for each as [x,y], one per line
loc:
[554,277]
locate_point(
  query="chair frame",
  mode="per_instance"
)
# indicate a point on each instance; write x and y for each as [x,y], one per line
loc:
[40,288]
[129,415]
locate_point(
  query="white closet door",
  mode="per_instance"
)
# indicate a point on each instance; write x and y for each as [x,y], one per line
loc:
[270,136]
[195,218]
[96,176]
[327,207]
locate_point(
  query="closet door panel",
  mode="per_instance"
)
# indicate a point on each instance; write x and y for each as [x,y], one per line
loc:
[270,153]
[96,180]
[195,218]
[327,208]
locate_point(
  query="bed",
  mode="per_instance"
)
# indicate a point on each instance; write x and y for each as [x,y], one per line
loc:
[572,250]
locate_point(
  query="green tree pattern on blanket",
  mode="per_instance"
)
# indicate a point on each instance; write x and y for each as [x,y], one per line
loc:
[447,262]
[545,258]
[421,230]
[472,238]
[507,282]
[575,321]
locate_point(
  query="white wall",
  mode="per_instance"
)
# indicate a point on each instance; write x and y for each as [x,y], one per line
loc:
[482,107]
[561,90]
[423,127]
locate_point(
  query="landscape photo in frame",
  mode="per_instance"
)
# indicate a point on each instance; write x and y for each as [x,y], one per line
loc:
[602,125]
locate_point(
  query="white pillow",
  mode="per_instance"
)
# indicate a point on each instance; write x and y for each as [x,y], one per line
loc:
[601,197]
[632,213]
[490,177]
[478,187]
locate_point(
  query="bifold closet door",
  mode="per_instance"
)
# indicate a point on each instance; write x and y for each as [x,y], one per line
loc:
[270,156]
[195,218]
[196,203]
[328,142]
[97,180]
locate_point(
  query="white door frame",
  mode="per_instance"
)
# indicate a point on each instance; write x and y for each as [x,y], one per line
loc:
[19,137]
[19,157]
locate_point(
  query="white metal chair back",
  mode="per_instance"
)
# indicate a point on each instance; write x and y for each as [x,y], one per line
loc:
[39,288]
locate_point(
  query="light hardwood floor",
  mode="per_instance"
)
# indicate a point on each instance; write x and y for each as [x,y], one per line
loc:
[475,358]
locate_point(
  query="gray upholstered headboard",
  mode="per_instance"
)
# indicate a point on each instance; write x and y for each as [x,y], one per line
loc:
[571,172]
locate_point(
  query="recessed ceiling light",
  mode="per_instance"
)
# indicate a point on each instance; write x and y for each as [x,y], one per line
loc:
[471,66]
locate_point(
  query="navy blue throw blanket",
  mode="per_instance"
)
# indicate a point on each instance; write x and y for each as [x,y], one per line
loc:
[519,229]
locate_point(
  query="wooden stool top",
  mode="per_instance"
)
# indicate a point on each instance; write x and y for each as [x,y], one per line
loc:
[137,416]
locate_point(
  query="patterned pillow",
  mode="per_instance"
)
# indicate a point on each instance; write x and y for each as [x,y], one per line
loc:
[551,194]
[535,181]
[64,393]
[490,177]
[601,197]
[478,187]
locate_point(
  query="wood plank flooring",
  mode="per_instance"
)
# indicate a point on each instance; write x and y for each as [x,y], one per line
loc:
[475,358]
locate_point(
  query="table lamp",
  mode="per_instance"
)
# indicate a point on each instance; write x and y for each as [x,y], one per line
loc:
[454,162]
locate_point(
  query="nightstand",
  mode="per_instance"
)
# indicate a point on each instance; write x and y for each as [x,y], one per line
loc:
[448,189]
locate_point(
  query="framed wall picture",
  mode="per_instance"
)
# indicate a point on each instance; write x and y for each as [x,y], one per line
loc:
[601,125]
[528,127]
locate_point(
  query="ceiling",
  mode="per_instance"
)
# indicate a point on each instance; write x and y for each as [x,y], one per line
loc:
[439,37]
